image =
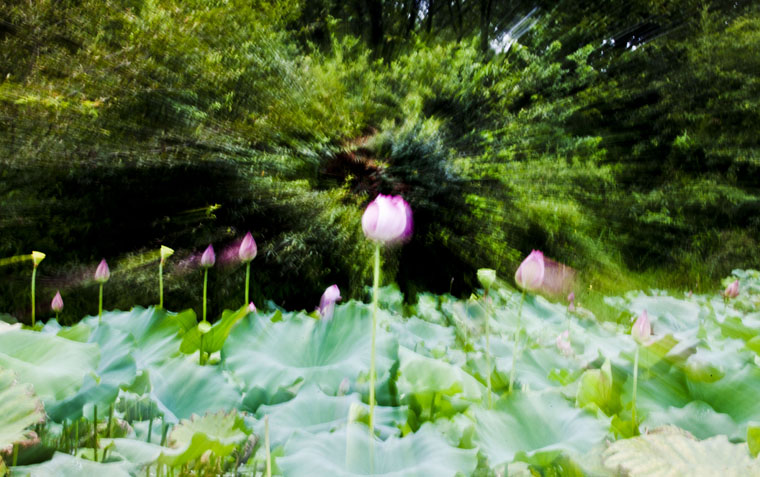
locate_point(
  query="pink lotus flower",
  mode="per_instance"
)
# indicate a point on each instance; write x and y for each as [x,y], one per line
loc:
[642,329]
[247,250]
[530,273]
[563,343]
[732,291]
[327,302]
[251,308]
[57,304]
[387,219]
[208,258]
[102,273]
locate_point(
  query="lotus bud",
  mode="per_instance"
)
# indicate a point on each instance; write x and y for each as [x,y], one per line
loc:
[247,250]
[102,273]
[208,259]
[166,252]
[642,329]
[37,257]
[343,387]
[327,302]
[530,273]
[732,291]
[571,299]
[57,304]
[388,220]
[486,277]
[204,327]
[563,343]
[251,308]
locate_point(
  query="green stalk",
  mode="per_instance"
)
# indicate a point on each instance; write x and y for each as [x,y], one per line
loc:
[200,351]
[635,384]
[247,281]
[266,443]
[514,350]
[205,286]
[488,352]
[375,294]
[95,432]
[34,274]
[100,304]
[15,455]
[161,284]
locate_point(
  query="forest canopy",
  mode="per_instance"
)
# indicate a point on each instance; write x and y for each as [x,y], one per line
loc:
[619,137]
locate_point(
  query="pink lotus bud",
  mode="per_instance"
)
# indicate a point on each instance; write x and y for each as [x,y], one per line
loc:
[563,343]
[530,273]
[327,302]
[208,258]
[251,308]
[248,250]
[571,299]
[387,219]
[732,291]
[343,387]
[102,273]
[57,304]
[642,329]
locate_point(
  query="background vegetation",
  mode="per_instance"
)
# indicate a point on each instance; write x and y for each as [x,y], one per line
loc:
[617,137]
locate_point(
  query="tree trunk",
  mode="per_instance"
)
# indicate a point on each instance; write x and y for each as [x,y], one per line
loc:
[375,11]
[485,24]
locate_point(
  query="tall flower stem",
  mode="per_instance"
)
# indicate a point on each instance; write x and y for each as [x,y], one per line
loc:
[635,385]
[247,281]
[266,443]
[375,295]
[514,349]
[488,351]
[161,284]
[205,288]
[100,304]
[34,275]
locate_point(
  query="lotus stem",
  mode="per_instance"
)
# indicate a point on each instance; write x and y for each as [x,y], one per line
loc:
[205,287]
[110,421]
[161,284]
[95,433]
[266,443]
[375,295]
[34,275]
[514,349]
[100,304]
[635,385]
[200,352]
[247,281]
[488,352]
[15,455]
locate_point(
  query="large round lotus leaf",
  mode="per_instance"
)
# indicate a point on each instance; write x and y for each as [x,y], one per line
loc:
[115,368]
[313,411]
[737,394]
[220,433]
[269,356]
[669,451]
[698,418]
[347,453]
[535,428]
[55,366]
[659,388]
[181,388]
[423,337]
[667,314]
[65,465]
[19,410]
[533,367]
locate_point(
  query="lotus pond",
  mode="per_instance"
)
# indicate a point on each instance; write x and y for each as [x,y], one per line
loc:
[287,393]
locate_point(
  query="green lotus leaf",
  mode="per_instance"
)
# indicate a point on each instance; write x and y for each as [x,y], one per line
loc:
[19,410]
[423,337]
[535,428]
[744,328]
[669,451]
[221,433]
[181,388]
[534,366]
[137,452]
[346,453]
[667,314]
[595,389]
[736,395]
[80,332]
[116,368]
[698,418]
[268,357]
[55,366]
[216,336]
[313,411]
[753,440]
[65,465]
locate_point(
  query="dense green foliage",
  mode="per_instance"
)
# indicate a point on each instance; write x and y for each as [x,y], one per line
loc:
[617,137]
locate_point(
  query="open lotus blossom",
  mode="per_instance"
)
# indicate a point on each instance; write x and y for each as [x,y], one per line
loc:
[732,291]
[57,304]
[563,343]
[327,302]
[208,259]
[642,329]
[251,308]
[388,219]
[247,250]
[102,273]
[530,274]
